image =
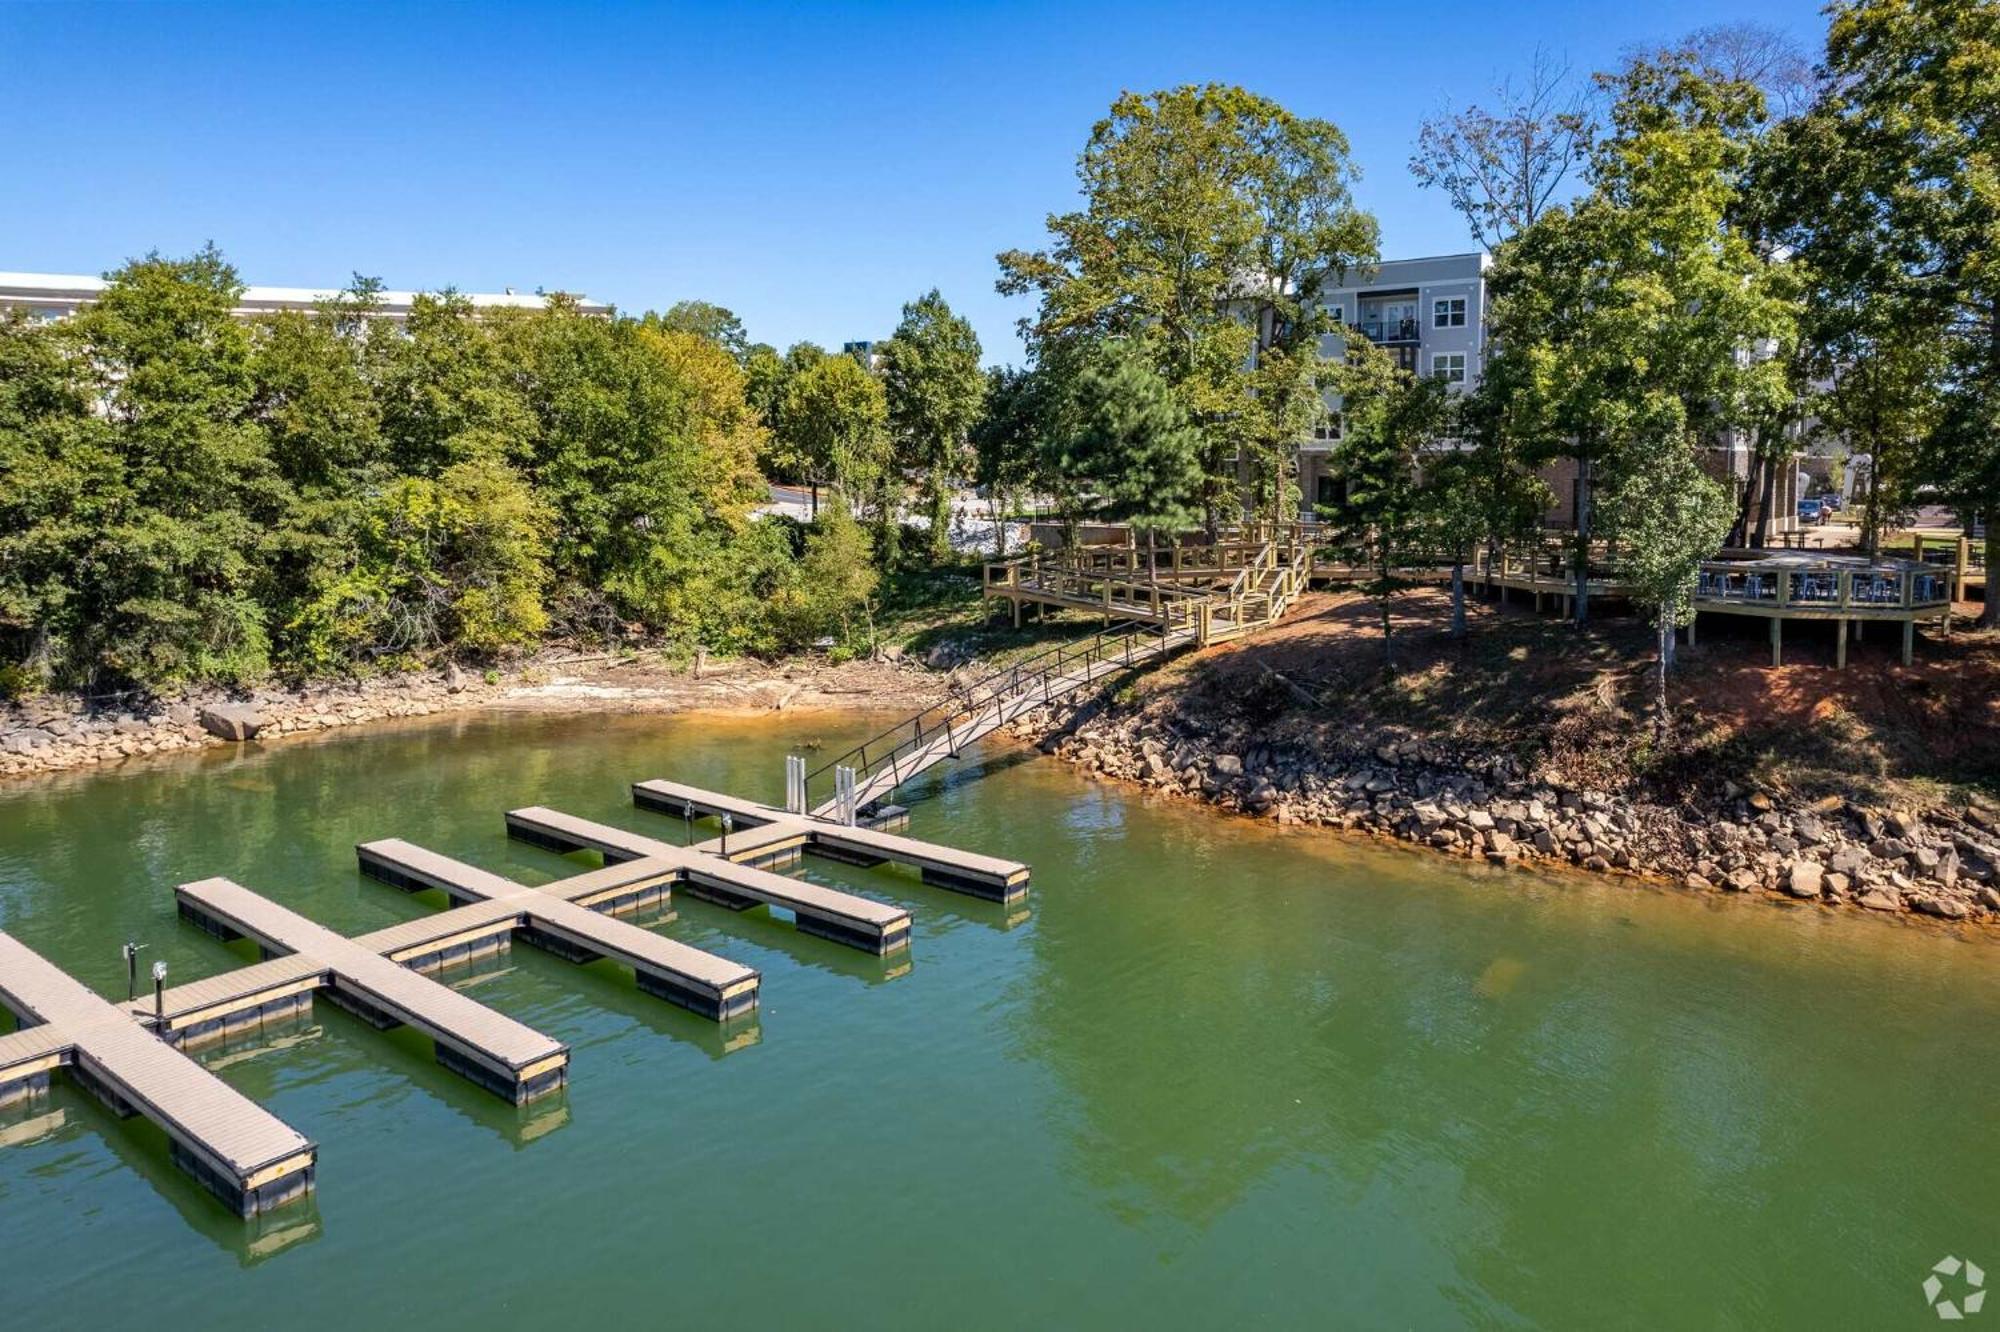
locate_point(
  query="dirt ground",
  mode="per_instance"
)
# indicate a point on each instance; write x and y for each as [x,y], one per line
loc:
[1582,698]
[647,682]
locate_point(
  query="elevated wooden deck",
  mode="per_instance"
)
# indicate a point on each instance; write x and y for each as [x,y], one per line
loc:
[765,835]
[507,1057]
[239,1151]
[842,917]
[556,917]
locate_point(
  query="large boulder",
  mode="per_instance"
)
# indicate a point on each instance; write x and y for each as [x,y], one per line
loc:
[1803,878]
[232,721]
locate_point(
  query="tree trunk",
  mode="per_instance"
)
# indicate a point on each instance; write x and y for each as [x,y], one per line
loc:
[1583,497]
[1458,600]
[1660,676]
[1765,498]
[1989,615]
[815,499]
[940,498]
[1873,519]
[1739,531]
[1388,629]
[998,507]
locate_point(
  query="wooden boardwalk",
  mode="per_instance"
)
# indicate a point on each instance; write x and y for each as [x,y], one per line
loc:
[765,836]
[241,1152]
[842,917]
[507,1057]
[560,917]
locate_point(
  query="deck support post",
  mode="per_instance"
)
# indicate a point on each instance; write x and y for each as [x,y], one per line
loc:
[1692,617]
[1777,641]
[1840,645]
[1909,640]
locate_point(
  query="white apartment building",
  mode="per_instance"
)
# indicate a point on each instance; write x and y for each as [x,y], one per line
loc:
[59,295]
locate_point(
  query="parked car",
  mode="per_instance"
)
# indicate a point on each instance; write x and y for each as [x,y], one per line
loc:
[1813,511]
[1833,503]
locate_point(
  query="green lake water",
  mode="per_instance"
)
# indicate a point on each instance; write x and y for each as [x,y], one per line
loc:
[1210,1074]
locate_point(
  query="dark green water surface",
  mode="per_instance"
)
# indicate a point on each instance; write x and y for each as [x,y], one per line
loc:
[1209,1075]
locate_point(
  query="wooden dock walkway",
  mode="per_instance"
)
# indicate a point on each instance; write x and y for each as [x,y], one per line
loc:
[132,1055]
[239,1151]
[508,1058]
[842,917]
[573,918]
[765,837]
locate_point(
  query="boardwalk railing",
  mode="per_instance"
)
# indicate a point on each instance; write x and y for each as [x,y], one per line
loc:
[884,762]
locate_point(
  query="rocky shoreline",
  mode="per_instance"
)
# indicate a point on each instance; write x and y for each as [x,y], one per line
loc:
[55,733]
[1941,862]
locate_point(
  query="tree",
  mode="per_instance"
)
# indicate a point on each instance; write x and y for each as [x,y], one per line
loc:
[715,323]
[1503,169]
[1666,516]
[835,581]
[1395,421]
[1882,397]
[1210,215]
[1643,311]
[1006,443]
[446,395]
[172,570]
[61,483]
[1764,58]
[451,562]
[1129,441]
[1894,207]
[834,418]
[934,393]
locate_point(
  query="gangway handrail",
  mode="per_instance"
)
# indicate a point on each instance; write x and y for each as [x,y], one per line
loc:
[995,688]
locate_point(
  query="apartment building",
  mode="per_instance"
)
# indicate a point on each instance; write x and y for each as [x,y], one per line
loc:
[59,295]
[1428,314]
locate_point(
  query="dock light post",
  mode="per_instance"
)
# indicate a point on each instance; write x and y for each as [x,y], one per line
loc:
[131,952]
[687,823]
[159,994]
[727,824]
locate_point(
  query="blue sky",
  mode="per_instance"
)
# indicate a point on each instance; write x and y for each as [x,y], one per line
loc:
[810,167]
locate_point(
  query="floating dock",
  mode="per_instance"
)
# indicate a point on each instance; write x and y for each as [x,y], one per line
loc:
[132,1055]
[859,922]
[572,918]
[508,1058]
[766,836]
[239,1151]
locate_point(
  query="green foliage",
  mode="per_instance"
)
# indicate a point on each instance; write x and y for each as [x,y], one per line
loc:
[1665,516]
[1128,443]
[713,323]
[935,395]
[1647,311]
[1212,217]
[1395,422]
[188,497]
[456,560]
[832,594]
[1886,191]
[1006,442]
[834,419]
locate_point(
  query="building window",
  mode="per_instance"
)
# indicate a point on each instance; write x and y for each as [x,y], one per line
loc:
[1337,315]
[1448,313]
[1328,428]
[1449,366]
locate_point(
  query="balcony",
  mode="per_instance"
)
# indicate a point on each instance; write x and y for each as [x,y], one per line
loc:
[1389,330]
